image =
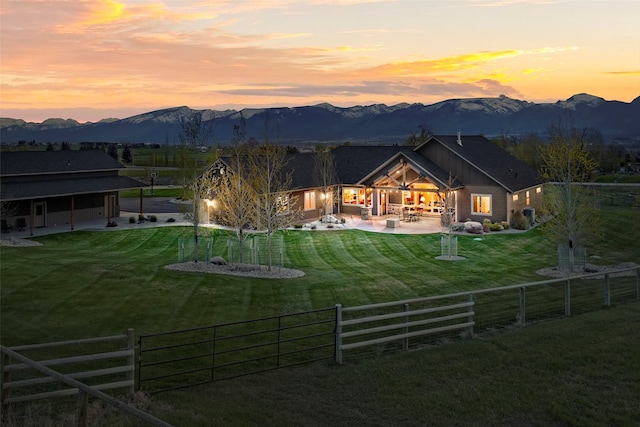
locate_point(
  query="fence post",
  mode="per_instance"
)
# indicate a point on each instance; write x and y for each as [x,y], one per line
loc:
[83,402]
[131,361]
[567,298]
[607,291]
[6,377]
[470,311]
[405,330]
[338,344]
[139,362]
[522,306]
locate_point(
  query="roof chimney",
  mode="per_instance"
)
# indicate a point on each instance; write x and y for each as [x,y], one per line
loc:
[459,138]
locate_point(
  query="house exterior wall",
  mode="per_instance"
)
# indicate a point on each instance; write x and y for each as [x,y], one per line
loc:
[86,207]
[498,203]
[459,168]
[535,200]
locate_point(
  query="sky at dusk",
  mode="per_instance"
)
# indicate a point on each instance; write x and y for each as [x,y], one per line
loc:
[90,60]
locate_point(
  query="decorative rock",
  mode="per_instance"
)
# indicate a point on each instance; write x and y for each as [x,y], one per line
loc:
[473,227]
[218,260]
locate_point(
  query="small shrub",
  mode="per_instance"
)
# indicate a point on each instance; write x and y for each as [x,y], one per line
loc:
[519,221]
[505,225]
[297,226]
[342,220]
[132,220]
[496,226]
[140,217]
[486,225]
[153,218]
[329,225]
[313,227]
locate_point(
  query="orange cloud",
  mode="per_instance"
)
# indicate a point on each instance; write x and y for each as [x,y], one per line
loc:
[450,63]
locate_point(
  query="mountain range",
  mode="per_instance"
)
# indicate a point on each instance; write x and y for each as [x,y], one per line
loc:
[373,124]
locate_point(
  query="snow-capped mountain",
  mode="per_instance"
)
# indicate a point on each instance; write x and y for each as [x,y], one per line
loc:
[377,123]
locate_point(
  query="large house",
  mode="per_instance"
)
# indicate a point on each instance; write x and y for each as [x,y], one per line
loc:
[59,188]
[483,180]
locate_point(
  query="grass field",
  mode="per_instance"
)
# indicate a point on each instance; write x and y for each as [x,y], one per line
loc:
[85,284]
[117,278]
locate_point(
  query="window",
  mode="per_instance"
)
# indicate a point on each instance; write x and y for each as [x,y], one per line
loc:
[481,204]
[309,200]
[515,197]
[538,190]
[528,200]
[353,196]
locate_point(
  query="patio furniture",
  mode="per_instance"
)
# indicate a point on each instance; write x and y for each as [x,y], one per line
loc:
[21,223]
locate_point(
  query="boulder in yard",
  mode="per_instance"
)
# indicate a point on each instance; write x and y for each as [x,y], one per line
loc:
[473,227]
[218,260]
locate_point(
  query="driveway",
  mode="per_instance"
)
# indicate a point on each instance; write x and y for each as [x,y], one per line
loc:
[152,205]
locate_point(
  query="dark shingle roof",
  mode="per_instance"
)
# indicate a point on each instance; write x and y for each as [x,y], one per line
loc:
[54,162]
[60,173]
[493,161]
[355,162]
[66,187]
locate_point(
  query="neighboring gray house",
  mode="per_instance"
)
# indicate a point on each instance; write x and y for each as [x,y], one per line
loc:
[59,188]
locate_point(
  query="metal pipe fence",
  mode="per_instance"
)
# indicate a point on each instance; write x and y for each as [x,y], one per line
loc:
[178,359]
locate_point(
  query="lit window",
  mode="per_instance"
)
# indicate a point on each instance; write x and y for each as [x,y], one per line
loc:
[353,196]
[527,197]
[538,190]
[481,204]
[515,197]
[309,200]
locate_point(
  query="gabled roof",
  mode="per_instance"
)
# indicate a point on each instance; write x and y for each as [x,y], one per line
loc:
[505,169]
[14,163]
[60,173]
[355,162]
[66,187]
[424,167]
[299,165]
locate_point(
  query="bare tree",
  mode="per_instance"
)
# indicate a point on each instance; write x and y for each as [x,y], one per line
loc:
[194,133]
[567,164]
[447,198]
[234,189]
[273,188]
[325,177]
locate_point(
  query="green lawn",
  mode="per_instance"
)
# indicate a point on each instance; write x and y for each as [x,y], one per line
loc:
[84,284]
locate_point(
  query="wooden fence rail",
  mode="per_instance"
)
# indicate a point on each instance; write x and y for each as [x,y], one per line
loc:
[83,391]
[107,370]
[398,321]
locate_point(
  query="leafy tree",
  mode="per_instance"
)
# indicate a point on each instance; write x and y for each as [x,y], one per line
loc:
[415,140]
[49,146]
[567,164]
[65,146]
[326,178]
[126,154]
[194,133]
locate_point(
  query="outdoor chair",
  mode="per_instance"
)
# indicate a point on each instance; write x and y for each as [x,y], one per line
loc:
[21,224]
